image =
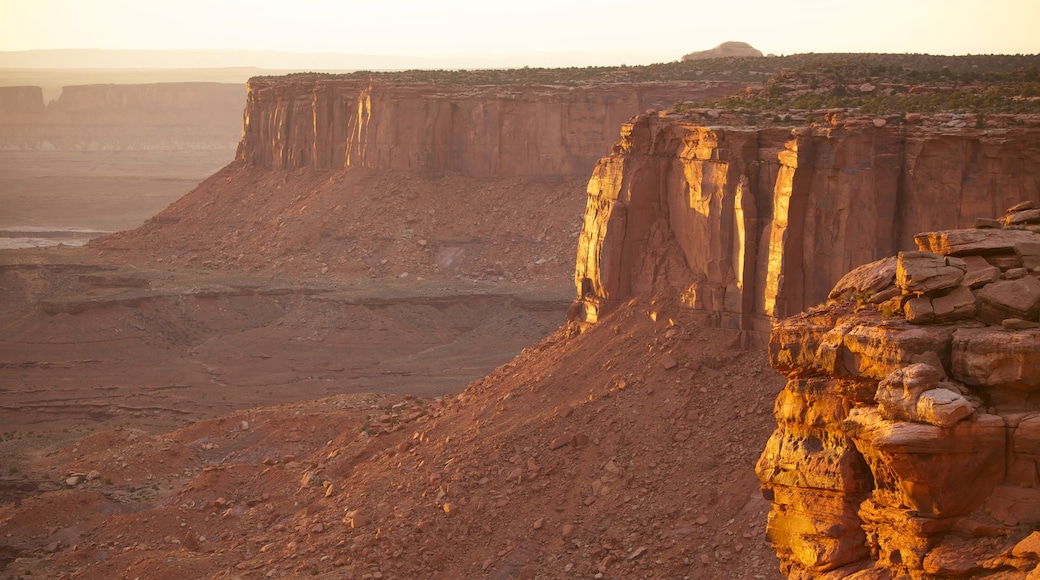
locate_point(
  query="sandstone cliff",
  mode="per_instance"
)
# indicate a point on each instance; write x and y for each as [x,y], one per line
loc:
[907,439]
[750,224]
[122,117]
[514,130]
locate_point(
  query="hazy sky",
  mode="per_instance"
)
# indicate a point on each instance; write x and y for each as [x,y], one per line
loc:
[666,28]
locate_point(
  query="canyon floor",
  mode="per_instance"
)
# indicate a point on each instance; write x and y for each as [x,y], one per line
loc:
[52,197]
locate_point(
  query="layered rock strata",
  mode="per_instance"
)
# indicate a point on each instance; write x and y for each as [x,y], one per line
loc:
[766,220]
[515,130]
[157,116]
[908,438]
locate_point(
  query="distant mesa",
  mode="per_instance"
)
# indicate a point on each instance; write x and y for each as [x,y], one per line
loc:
[723,50]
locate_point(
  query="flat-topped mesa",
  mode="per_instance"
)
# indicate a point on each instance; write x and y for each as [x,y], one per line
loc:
[908,438]
[153,116]
[753,224]
[511,130]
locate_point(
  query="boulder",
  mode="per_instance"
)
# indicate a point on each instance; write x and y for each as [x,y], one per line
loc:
[927,272]
[1029,216]
[913,394]
[966,242]
[897,394]
[866,280]
[919,310]
[1029,252]
[1018,298]
[980,272]
[958,304]
[942,407]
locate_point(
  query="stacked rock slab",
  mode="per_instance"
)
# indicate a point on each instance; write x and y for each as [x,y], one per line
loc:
[908,436]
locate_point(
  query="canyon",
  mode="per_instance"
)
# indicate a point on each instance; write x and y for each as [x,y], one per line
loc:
[99,158]
[621,444]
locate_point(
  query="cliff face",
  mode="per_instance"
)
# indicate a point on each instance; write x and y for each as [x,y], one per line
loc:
[748,225]
[907,438]
[122,117]
[479,131]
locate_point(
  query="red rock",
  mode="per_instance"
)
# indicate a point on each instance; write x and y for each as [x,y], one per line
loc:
[965,242]
[668,362]
[867,279]
[356,519]
[957,304]
[927,272]
[1010,299]
[1028,547]
[561,441]
[997,358]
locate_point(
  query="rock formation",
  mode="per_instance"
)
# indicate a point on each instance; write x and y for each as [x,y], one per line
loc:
[122,117]
[766,220]
[907,439]
[514,130]
[723,50]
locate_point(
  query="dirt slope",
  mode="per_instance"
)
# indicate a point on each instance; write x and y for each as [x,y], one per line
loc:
[357,223]
[588,455]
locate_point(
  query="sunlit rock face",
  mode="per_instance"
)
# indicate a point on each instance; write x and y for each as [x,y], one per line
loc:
[328,122]
[752,224]
[909,446]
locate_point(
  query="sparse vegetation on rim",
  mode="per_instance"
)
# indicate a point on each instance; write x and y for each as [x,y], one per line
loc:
[901,68]
[886,84]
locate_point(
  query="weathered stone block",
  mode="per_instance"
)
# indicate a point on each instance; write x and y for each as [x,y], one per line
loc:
[875,351]
[942,407]
[1029,216]
[958,304]
[965,242]
[919,310]
[1018,298]
[980,272]
[867,280]
[897,394]
[924,467]
[1029,252]
[927,272]
[996,358]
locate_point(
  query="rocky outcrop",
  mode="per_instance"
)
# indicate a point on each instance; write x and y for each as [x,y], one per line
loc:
[752,224]
[163,116]
[908,436]
[724,50]
[514,130]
